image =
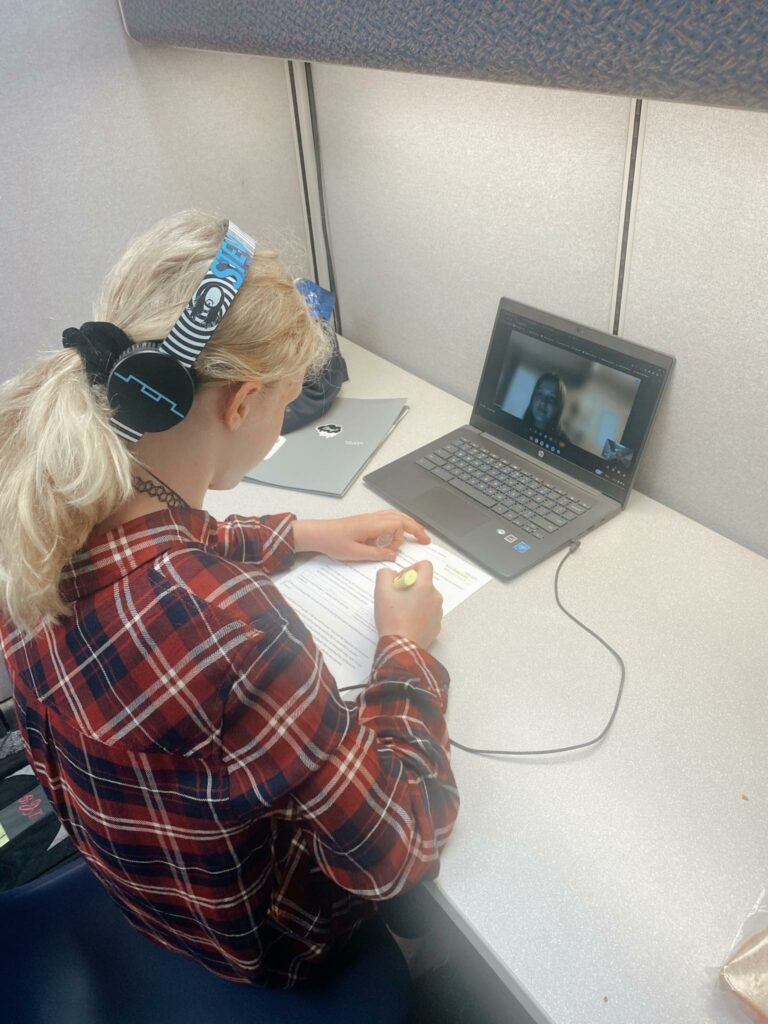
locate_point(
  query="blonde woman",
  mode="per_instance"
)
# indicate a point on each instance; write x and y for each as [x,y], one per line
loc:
[173,706]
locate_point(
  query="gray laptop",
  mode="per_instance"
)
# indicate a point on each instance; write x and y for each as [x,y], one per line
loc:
[561,417]
[327,455]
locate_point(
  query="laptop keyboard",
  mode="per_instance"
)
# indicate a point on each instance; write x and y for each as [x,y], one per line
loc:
[504,486]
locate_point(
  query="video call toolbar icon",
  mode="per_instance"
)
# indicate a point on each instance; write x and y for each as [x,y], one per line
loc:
[548,443]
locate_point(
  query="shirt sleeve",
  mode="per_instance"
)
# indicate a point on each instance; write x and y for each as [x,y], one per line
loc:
[266,541]
[395,798]
[369,784]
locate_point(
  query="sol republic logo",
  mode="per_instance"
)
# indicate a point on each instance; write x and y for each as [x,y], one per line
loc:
[150,392]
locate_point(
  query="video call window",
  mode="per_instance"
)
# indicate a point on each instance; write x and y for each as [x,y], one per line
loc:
[566,399]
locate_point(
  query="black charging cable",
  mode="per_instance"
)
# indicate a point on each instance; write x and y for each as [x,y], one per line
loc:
[574,546]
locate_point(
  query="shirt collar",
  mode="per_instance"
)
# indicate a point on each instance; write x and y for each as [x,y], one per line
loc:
[108,557]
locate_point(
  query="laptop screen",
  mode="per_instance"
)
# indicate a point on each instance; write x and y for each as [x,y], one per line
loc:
[578,398]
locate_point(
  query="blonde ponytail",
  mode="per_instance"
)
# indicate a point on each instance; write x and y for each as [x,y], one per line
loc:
[63,470]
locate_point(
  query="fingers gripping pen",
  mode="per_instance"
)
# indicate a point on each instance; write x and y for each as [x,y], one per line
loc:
[405,579]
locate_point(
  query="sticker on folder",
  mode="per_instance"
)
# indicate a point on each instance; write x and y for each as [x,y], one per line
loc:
[329,429]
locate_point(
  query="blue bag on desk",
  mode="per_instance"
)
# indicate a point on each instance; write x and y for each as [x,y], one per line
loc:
[319,391]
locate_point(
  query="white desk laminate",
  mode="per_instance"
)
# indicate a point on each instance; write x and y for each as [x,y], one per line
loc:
[605,885]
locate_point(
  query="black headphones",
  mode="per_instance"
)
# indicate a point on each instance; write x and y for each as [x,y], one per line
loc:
[151,385]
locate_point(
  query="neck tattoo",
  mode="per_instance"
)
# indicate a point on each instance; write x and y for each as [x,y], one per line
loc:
[159,490]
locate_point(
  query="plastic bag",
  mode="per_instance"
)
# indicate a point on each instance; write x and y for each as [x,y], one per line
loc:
[744,975]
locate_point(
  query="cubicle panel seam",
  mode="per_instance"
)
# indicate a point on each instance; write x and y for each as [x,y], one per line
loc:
[308,156]
[321,194]
[299,142]
[630,188]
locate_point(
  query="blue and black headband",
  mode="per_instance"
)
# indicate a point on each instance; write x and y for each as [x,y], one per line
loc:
[151,385]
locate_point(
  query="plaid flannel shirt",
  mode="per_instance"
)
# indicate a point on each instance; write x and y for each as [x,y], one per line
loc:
[194,744]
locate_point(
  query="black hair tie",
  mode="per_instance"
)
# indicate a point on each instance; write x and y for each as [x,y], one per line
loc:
[100,344]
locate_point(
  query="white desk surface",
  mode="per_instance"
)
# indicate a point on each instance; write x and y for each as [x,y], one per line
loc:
[604,885]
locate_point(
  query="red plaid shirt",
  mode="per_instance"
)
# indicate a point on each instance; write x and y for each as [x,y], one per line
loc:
[194,744]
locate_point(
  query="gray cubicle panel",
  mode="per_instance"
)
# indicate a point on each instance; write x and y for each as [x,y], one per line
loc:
[443,195]
[713,53]
[103,136]
[697,285]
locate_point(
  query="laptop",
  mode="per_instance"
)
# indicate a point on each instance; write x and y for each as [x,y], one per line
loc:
[560,420]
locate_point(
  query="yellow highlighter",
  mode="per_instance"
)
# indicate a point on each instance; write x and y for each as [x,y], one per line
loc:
[405,579]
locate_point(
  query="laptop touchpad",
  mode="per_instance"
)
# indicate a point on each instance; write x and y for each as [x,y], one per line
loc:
[446,510]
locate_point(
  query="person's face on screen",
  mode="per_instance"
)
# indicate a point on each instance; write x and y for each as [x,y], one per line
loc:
[545,405]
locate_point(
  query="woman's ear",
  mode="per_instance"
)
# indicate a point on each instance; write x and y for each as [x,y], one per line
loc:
[236,403]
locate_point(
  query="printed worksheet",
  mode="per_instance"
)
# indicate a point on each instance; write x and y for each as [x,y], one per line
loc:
[335,600]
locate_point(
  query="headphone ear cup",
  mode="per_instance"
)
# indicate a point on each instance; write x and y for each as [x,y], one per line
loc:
[149,390]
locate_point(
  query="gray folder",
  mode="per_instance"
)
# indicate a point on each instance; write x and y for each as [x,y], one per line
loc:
[326,456]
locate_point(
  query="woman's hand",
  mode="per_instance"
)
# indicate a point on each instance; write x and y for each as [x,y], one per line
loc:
[372,537]
[415,613]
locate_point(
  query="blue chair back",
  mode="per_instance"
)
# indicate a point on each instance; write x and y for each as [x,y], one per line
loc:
[67,956]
